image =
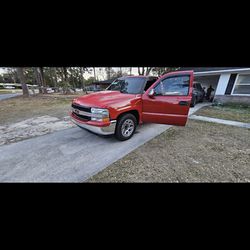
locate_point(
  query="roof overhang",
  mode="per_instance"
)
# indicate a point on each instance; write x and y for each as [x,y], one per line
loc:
[219,72]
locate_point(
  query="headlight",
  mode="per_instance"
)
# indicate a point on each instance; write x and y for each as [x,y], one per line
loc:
[101,115]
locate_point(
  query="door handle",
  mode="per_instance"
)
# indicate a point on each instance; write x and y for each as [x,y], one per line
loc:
[184,103]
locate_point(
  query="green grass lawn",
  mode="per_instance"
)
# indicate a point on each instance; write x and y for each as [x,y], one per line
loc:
[25,108]
[6,91]
[10,91]
[234,112]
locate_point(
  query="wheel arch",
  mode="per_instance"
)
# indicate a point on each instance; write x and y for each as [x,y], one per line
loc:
[133,112]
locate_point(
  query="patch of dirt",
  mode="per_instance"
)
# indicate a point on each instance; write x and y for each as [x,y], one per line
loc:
[32,127]
[23,118]
[227,112]
[199,152]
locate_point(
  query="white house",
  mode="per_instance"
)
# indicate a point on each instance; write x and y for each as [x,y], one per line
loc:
[231,84]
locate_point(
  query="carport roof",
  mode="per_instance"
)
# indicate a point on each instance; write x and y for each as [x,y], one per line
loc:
[201,69]
[204,71]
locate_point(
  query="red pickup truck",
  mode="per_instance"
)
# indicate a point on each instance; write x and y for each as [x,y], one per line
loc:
[134,100]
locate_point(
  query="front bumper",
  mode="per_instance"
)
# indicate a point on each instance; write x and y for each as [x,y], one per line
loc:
[108,130]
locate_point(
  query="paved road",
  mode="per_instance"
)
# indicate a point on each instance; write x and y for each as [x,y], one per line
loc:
[70,155]
[7,96]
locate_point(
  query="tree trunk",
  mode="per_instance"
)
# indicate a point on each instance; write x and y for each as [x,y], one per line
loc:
[51,78]
[44,86]
[41,80]
[94,74]
[141,72]
[148,70]
[82,80]
[56,82]
[130,71]
[108,72]
[23,82]
[65,73]
[60,70]
[38,80]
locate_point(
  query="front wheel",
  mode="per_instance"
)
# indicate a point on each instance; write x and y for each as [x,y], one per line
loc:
[125,127]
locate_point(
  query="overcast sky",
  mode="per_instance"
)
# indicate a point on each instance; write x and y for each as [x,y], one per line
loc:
[101,74]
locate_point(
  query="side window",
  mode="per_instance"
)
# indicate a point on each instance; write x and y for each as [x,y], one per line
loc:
[149,83]
[176,85]
[116,85]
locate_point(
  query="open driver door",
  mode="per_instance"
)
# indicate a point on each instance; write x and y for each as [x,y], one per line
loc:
[168,100]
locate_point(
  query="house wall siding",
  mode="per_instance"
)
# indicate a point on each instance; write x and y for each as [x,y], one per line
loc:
[222,84]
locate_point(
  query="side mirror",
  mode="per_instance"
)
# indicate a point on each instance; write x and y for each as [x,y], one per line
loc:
[151,93]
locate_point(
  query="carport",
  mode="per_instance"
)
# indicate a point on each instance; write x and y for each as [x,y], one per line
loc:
[206,81]
[231,84]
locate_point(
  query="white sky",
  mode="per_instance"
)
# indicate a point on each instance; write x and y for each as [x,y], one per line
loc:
[100,72]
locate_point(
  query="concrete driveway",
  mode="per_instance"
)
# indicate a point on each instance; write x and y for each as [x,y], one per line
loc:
[70,155]
[7,96]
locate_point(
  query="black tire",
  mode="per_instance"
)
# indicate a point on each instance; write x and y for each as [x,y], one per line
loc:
[128,120]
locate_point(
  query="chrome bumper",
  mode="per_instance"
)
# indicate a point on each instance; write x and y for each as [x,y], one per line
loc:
[109,130]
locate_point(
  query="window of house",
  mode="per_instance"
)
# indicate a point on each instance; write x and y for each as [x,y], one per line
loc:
[177,85]
[242,86]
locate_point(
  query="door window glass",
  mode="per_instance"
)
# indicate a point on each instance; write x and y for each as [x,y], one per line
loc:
[176,85]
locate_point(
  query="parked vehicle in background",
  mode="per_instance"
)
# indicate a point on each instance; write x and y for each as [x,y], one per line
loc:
[92,88]
[78,90]
[50,90]
[133,100]
[9,87]
[198,94]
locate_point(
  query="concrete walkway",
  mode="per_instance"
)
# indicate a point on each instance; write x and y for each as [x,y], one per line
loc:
[220,121]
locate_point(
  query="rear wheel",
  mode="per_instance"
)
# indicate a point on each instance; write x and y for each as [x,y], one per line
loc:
[125,127]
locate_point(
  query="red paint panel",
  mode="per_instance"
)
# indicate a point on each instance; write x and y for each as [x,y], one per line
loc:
[167,109]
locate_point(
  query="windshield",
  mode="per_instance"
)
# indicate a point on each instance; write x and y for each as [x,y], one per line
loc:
[130,85]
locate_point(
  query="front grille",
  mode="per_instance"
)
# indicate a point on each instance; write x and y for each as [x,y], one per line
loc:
[82,117]
[82,108]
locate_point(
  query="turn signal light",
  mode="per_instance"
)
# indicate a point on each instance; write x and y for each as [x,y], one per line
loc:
[105,119]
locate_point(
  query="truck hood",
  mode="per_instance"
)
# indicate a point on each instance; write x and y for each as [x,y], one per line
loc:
[105,99]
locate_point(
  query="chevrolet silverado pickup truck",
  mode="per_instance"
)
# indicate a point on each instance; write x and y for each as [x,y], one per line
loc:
[133,100]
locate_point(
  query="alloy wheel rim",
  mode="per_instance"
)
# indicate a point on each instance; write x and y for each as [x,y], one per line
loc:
[128,127]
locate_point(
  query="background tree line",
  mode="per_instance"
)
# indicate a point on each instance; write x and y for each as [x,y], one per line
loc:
[69,77]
